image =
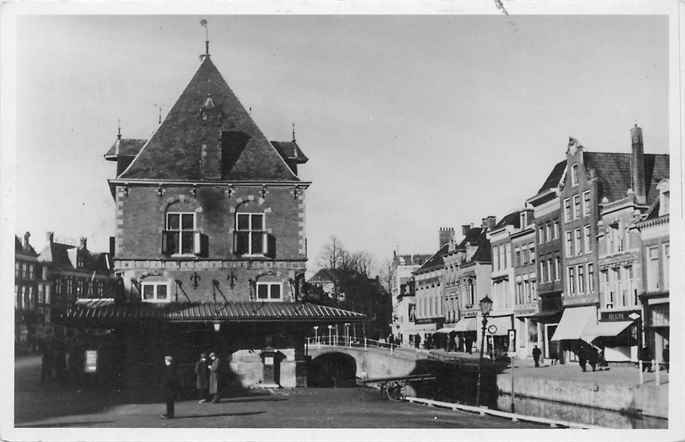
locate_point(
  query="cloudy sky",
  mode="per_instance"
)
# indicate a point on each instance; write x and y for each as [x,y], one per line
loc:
[410,122]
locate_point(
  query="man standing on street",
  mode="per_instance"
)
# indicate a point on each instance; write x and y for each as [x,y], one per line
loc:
[665,356]
[169,386]
[536,355]
[202,378]
[214,377]
[582,358]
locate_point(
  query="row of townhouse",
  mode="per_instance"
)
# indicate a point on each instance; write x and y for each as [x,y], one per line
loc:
[46,282]
[585,260]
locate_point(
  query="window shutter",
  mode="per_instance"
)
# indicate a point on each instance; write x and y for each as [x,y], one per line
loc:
[204,245]
[165,243]
[197,246]
[240,242]
[270,245]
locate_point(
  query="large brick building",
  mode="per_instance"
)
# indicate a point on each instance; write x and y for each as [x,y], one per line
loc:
[210,245]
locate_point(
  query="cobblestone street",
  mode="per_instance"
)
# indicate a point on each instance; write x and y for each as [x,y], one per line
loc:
[300,408]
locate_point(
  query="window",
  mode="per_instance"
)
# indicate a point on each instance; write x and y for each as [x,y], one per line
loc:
[269,291]
[556,229]
[24,271]
[17,270]
[532,252]
[548,232]
[587,239]
[574,175]
[576,206]
[519,292]
[557,269]
[250,234]
[567,210]
[524,219]
[180,236]
[543,271]
[41,294]
[579,240]
[79,288]
[472,293]
[518,257]
[571,280]
[591,278]
[155,292]
[495,255]
[507,251]
[667,259]
[587,207]
[541,235]
[581,279]
[569,244]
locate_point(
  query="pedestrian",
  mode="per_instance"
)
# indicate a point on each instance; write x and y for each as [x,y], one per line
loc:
[417,341]
[644,357]
[214,377]
[170,386]
[536,355]
[593,358]
[202,378]
[664,356]
[582,358]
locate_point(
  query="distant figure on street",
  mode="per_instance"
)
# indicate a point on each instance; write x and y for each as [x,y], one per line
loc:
[202,378]
[214,377]
[644,357]
[582,358]
[170,386]
[593,358]
[417,341]
[536,355]
[664,356]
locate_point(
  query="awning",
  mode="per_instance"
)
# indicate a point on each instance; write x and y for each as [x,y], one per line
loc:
[607,328]
[573,322]
[541,315]
[503,324]
[99,312]
[448,329]
[465,325]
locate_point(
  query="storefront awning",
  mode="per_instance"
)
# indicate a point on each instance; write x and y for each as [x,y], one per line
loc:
[98,312]
[448,329]
[573,322]
[607,328]
[503,324]
[465,325]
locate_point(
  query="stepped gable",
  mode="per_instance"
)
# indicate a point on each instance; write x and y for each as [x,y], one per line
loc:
[205,110]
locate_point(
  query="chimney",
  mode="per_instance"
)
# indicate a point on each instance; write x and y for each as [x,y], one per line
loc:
[465,229]
[111,246]
[83,243]
[445,235]
[489,222]
[637,165]
[27,235]
[50,236]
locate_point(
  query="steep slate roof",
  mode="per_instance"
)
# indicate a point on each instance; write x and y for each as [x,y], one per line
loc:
[290,151]
[554,176]
[64,257]
[434,261]
[614,173]
[19,248]
[127,147]
[476,236]
[174,151]
[98,311]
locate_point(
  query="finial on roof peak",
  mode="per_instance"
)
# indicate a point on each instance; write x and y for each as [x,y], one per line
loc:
[118,129]
[293,132]
[203,23]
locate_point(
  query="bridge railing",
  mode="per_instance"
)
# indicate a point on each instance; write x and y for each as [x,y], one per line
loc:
[349,341]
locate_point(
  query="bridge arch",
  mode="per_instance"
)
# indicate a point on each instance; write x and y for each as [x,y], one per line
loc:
[332,369]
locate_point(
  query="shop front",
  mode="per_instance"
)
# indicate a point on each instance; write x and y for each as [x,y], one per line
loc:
[465,331]
[569,332]
[657,325]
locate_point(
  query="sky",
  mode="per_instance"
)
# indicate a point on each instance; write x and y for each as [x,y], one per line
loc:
[410,123]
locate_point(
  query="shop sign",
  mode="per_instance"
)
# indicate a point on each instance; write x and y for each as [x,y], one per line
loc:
[617,316]
[91,361]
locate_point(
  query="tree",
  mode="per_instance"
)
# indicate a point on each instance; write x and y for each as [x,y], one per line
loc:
[332,254]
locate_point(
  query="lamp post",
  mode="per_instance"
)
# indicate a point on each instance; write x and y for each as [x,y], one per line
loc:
[485,307]
[316,334]
[330,334]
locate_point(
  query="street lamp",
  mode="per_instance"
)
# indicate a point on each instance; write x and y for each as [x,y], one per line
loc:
[330,334]
[316,334]
[485,307]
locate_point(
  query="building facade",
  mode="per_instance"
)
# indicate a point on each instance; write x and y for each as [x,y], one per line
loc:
[29,307]
[210,247]
[403,292]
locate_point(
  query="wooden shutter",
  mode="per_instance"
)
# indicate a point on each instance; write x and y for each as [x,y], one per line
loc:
[197,246]
[270,245]
[165,243]
[240,242]
[204,245]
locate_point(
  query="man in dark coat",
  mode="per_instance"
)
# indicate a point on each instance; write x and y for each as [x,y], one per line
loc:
[665,356]
[170,386]
[202,378]
[644,357]
[582,358]
[214,377]
[536,355]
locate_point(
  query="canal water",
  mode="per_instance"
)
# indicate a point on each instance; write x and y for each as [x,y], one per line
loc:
[457,383]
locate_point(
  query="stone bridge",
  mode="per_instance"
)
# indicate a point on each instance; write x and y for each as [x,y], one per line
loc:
[344,363]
